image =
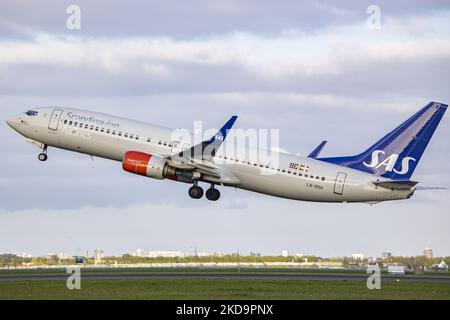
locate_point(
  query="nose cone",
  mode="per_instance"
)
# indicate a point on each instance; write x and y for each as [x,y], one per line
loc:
[13,122]
[10,122]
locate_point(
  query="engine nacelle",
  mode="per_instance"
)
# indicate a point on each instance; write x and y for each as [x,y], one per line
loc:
[148,165]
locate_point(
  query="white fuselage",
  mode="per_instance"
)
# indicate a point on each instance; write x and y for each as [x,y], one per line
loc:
[292,177]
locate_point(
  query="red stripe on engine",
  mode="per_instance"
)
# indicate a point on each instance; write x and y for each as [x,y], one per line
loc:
[136,162]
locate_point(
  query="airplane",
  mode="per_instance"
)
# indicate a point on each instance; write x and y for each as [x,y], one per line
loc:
[380,173]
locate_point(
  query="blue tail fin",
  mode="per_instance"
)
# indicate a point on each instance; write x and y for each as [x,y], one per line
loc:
[397,154]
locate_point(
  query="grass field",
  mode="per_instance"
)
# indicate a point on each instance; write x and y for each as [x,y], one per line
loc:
[215,288]
[221,289]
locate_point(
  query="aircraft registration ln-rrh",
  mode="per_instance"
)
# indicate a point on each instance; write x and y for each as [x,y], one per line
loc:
[380,173]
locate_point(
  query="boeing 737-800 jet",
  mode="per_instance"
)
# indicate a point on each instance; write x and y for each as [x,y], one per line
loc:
[382,172]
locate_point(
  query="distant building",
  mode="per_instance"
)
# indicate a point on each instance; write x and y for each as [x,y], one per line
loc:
[386,255]
[220,254]
[59,255]
[396,269]
[442,266]
[299,255]
[142,253]
[428,253]
[203,254]
[285,253]
[358,256]
[98,255]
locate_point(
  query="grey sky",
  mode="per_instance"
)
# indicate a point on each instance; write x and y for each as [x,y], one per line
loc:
[313,70]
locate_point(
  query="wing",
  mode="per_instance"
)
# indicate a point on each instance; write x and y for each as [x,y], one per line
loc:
[200,157]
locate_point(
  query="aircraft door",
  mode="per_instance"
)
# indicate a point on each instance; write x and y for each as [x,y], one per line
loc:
[54,119]
[339,183]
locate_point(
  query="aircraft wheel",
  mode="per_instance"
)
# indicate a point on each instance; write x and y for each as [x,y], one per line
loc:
[195,192]
[212,194]
[42,157]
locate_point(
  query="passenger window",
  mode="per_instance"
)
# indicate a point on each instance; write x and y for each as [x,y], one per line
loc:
[149,140]
[65,121]
[108,131]
[126,135]
[96,128]
[81,125]
[70,123]
[114,132]
[86,126]
[120,133]
[103,130]
[76,124]
[323,178]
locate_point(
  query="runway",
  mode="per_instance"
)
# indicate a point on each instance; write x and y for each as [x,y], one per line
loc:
[210,276]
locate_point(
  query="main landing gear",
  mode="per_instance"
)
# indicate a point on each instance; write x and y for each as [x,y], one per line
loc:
[212,194]
[43,156]
[196,192]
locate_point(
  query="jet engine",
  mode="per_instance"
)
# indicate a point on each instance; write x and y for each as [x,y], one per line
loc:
[148,165]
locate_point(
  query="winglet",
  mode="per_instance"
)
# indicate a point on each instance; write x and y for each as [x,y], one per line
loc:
[222,134]
[316,152]
[208,148]
[214,143]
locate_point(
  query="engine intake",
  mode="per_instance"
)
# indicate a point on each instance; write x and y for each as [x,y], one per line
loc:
[147,165]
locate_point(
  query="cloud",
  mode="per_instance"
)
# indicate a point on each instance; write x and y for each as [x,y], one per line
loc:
[312,70]
[331,51]
[259,225]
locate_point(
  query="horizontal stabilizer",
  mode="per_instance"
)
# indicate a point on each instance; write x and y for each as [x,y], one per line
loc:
[316,152]
[430,188]
[396,185]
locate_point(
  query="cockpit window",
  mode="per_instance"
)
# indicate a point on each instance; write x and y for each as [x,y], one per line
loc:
[31,113]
